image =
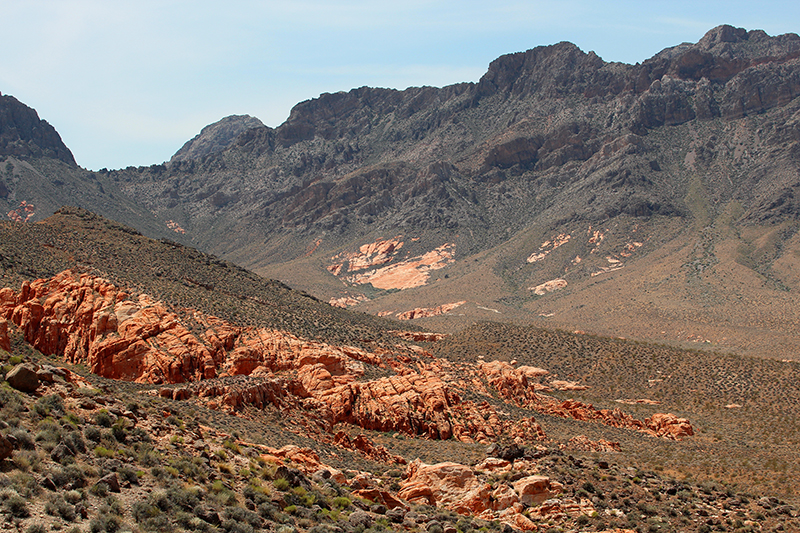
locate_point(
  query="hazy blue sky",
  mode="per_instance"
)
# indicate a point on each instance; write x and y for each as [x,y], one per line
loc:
[128,83]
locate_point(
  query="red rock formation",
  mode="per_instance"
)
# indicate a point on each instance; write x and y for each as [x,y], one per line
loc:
[380,496]
[513,384]
[419,336]
[364,446]
[5,339]
[422,312]
[670,426]
[413,272]
[533,490]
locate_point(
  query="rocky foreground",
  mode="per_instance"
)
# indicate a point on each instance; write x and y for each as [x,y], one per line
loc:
[152,447]
[81,457]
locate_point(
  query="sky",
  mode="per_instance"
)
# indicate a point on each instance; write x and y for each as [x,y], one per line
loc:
[128,83]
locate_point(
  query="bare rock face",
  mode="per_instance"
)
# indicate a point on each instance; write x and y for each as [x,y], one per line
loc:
[536,489]
[422,312]
[670,426]
[216,137]
[439,484]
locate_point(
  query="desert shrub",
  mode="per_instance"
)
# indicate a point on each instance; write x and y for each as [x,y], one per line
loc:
[69,474]
[232,526]
[240,514]
[11,403]
[52,404]
[25,484]
[49,432]
[57,506]
[102,451]
[73,496]
[232,446]
[105,523]
[92,433]
[103,418]
[14,504]
[175,421]
[120,429]
[138,435]
[36,528]
[100,490]
[146,455]
[342,502]
[128,474]
[74,440]
[186,499]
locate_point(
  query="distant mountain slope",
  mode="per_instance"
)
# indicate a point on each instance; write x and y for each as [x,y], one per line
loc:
[656,200]
[183,277]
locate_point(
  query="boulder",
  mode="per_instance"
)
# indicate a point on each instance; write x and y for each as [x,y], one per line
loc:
[111,481]
[23,377]
[6,448]
[533,490]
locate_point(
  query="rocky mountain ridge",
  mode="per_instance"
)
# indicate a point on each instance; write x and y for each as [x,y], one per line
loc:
[694,150]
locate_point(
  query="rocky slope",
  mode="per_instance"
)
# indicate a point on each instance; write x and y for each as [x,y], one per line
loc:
[140,399]
[694,150]
[216,137]
[653,201]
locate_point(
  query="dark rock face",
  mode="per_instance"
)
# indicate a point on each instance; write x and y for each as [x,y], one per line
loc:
[548,135]
[23,134]
[216,137]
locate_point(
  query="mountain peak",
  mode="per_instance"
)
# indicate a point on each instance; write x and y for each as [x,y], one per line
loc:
[24,134]
[216,137]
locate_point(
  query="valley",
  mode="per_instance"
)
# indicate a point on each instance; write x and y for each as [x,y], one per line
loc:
[562,298]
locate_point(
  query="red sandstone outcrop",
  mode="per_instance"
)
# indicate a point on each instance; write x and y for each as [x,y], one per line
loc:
[407,274]
[367,448]
[5,339]
[381,497]
[369,255]
[533,490]
[670,426]
[549,286]
[423,312]
[419,336]
[462,489]
[89,320]
[514,385]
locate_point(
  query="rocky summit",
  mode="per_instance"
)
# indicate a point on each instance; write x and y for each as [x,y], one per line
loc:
[561,298]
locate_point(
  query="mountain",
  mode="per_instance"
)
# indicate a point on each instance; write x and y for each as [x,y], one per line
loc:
[23,133]
[150,386]
[216,137]
[555,170]
[38,175]
[652,201]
